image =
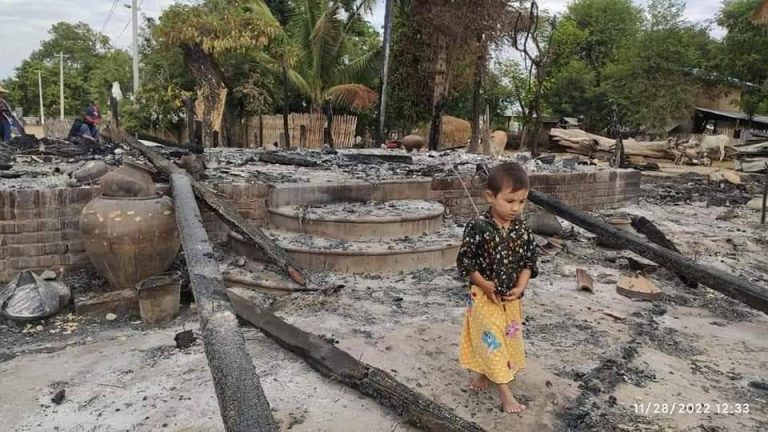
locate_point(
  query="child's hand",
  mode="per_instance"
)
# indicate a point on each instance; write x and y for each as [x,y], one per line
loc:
[514,294]
[489,289]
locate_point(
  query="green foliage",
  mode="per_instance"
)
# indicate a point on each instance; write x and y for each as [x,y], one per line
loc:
[645,65]
[326,66]
[165,79]
[744,52]
[217,26]
[90,67]
[410,83]
[608,27]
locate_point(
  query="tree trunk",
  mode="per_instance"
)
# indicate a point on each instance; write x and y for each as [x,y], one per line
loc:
[480,64]
[328,130]
[261,130]
[211,91]
[387,42]
[439,92]
[242,402]
[285,107]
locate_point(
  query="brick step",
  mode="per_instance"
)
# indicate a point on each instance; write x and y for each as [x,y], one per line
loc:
[361,221]
[437,250]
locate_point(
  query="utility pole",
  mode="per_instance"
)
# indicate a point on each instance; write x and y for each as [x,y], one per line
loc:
[40,90]
[61,83]
[385,70]
[135,19]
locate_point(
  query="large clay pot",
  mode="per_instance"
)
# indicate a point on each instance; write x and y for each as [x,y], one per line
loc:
[412,142]
[90,172]
[130,239]
[132,179]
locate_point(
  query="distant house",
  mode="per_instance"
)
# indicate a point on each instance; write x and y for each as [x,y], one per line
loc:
[569,123]
[727,98]
[735,124]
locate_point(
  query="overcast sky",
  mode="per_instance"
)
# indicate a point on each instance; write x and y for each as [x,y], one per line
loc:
[25,23]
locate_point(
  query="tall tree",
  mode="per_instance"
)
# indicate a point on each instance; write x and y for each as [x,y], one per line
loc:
[448,38]
[410,93]
[664,53]
[535,41]
[491,24]
[745,45]
[323,70]
[745,50]
[204,32]
[324,50]
[611,25]
[91,64]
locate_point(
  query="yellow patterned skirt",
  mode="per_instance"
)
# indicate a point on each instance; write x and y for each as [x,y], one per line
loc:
[492,338]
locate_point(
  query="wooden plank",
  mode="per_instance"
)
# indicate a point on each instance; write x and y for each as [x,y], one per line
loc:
[242,403]
[614,315]
[584,280]
[638,287]
[414,407]
[742,290]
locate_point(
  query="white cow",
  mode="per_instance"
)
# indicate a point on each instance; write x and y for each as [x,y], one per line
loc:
[498,143]
[709,143]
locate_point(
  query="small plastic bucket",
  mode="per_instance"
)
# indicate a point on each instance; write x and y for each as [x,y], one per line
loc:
[159,297]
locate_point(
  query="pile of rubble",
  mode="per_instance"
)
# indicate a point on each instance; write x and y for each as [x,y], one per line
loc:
[373,165]
[692,187]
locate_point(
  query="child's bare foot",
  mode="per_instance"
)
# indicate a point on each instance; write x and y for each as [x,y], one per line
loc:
[508,402]
[479,382]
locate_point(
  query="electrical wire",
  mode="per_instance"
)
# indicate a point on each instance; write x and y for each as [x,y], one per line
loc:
[128,23]
[109,16]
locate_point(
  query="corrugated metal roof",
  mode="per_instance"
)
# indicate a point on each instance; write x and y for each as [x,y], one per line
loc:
[735,115]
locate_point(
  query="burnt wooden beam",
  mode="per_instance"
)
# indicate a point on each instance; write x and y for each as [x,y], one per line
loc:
[378,158]
[338,365]
[750,294]
[149,137]
[277,157]
[243,405]
[644,226]
[229,215]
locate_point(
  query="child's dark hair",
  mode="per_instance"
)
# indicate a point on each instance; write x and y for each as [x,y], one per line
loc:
[510,175]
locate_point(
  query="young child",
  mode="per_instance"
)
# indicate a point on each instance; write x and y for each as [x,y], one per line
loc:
[498,255]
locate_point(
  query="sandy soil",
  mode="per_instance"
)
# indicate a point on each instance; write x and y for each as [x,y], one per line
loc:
[586,371]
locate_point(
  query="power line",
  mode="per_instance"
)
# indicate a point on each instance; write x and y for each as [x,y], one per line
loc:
[126,25]
[123,31]
[109,16]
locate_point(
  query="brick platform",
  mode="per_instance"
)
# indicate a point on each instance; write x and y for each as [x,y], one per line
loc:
[39,228]
[587,191]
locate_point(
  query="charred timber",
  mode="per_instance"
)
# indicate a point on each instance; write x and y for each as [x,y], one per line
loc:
[277,157]
[654,234]
[737,288]
[334,363]
[243,405]
[154,138]
[229,215]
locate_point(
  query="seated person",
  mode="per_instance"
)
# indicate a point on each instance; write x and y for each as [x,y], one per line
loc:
[91,119]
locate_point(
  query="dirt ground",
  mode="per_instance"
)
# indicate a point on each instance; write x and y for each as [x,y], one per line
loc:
[586,371]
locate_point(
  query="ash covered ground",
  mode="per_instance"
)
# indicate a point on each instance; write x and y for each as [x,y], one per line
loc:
[586,371]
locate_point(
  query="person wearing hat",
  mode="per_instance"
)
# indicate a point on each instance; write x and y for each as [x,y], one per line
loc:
[5,116]
[91,120]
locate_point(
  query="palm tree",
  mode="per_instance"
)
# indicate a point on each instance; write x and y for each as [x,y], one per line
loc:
[323,69]
[313,49]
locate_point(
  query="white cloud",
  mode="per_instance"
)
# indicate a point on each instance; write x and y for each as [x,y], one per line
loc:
[25,23]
